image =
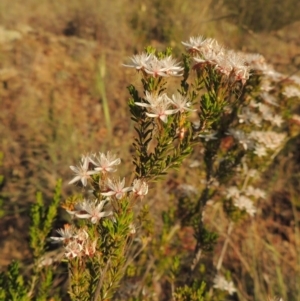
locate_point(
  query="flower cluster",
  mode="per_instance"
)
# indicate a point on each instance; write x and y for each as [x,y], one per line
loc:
[258,141]
[77,242]
[265,110]
[101,164]
[155,67]
[268,139]
[256,61]
[227,62]
[160,106]
[240,96]
[231,113]
[291,91]
[241,199]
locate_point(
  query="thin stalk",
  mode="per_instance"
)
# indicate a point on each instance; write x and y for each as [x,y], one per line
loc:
[101,89]
[100,282]
[297,246]
[220,261]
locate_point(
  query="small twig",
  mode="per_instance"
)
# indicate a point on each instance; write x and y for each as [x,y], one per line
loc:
[220,261]
[100,282]
[196,259]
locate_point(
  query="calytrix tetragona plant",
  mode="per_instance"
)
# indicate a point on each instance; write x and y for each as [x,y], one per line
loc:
[219,108]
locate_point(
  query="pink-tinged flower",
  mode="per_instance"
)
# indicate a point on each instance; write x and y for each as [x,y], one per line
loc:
[161,111]
[158,106]
[139,187]
[239,70]
[140,61]
[73,249]
[105,163]
[171,66]
[255,61]
[211,57]
[67,233]
[82,236]
[91,210]
[156,68]
[82,171]
[240,73]
[181,103]
[199,44]
[194,43]
[153,100]
[116,188]
[90,248]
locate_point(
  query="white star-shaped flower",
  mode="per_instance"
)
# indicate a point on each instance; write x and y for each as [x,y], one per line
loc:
[158,106]
[116,188]
[244,203]
[140,61]
[105,163]
[139,187]
[92,210]
[171,66]
[221,283]
[181,103]
[82,171]
[73,249]
[67,233]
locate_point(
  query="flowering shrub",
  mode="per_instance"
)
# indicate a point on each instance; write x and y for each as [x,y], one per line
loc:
[224,109]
